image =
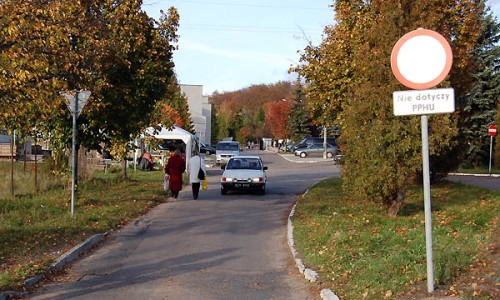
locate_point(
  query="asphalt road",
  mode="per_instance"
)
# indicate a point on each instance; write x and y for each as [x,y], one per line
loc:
[216,247]
[483,181]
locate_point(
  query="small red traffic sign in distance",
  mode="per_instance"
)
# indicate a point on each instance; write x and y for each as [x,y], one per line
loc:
[492,130]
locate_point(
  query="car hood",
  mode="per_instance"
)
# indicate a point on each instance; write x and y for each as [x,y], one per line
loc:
[243,174]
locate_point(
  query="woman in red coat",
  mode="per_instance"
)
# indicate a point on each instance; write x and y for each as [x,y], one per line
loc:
[175,167]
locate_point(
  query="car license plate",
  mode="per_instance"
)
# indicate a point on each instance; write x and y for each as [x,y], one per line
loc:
[242,185]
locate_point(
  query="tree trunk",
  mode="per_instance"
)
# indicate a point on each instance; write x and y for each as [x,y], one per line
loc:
[397,203]
[124,168]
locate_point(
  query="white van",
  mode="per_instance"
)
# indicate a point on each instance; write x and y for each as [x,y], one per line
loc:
[225,150]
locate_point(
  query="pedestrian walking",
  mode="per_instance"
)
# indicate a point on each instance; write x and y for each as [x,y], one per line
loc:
[195,163]
[175,167]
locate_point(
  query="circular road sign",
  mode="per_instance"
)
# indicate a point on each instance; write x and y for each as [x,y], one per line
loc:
[492,130]
[421,59]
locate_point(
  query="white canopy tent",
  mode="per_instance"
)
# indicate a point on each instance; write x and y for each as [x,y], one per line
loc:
[176,133]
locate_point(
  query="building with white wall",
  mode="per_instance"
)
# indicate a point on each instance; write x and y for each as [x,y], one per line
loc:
[200,110]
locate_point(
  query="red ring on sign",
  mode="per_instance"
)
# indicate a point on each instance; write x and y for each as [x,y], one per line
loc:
[435,81]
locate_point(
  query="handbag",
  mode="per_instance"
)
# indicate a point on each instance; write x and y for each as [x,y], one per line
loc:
[204,184]
[201,174]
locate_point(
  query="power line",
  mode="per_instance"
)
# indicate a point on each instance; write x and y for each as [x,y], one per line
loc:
[232,28]
[241,4]
[235,28]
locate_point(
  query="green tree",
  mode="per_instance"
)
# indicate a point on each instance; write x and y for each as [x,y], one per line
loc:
[462,22]
[31,39]
[384,160]
[351,69]
[136,68]
[482,100]
[497,144]
[328,69]
[37,62]
[299,121]
[224,126]
[214,124]
[249,126]
[262,130]
[235,126]
[260,118]
[112,49]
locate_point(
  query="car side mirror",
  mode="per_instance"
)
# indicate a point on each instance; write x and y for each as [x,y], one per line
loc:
[264,168]
[222,167]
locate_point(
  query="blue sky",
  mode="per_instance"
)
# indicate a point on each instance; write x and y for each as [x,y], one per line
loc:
[227,45]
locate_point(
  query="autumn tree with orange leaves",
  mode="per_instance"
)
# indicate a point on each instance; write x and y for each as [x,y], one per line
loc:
[114,50]
[277,115]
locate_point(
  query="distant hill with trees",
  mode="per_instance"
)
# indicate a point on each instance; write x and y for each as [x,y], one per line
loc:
[241,114]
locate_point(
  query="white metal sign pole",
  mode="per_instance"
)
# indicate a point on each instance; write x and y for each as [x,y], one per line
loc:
[73,147]
[75,107]
[420,60]
[427,204]
[491,151]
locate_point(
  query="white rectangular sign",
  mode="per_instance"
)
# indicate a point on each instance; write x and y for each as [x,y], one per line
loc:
[424,102]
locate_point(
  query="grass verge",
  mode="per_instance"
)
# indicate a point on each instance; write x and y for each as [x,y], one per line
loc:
[361,253]
[36,229]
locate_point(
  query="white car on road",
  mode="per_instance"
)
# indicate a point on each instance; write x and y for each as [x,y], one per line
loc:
[245,173]
[225,150]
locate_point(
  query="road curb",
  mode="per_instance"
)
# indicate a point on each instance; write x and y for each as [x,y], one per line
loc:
[76,251]
[475,175]
[64,259]
[309,274]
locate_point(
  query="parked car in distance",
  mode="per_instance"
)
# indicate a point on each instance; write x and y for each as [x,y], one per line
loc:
[207,149]
[314,140]
[225,150]
[244,173]
[317,150]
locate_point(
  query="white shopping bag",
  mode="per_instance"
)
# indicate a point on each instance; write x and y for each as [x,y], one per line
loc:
[165,182]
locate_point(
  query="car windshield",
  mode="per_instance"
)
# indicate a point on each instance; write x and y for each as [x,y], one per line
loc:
[230,147]
[244,163]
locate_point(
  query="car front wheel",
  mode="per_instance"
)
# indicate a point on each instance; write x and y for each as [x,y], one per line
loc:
[223,192]
[329,154]
[303,154]
[262,191]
